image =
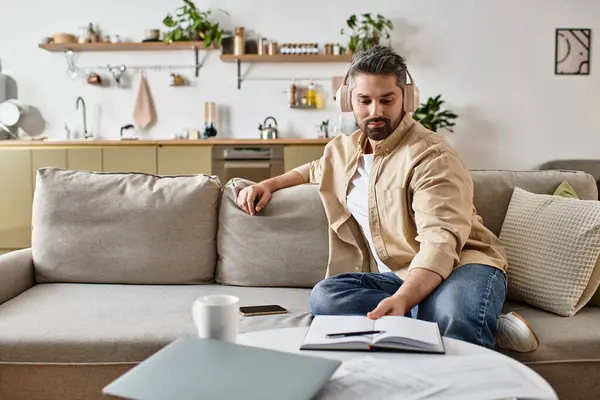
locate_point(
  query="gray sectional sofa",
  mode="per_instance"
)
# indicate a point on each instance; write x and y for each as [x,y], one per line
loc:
[117,260]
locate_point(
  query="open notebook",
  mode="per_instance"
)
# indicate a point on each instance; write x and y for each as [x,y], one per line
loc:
[399,333]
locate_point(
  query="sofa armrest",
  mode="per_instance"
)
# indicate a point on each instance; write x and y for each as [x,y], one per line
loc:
[16,273]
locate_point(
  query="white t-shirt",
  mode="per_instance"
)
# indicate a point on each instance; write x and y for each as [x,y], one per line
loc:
[358,202]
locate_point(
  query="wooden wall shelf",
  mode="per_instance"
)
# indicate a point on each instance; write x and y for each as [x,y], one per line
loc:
[281,58]
[70,48]
[124,46]
[278,58]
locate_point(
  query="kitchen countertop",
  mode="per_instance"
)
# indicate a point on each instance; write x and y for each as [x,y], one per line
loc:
[170,142]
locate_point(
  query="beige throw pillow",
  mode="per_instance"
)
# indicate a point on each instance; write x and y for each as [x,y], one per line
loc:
[553,245]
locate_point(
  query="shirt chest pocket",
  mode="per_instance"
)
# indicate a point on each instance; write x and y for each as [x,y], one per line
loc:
[396,214]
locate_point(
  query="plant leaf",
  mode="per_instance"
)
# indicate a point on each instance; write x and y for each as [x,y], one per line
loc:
[168,21]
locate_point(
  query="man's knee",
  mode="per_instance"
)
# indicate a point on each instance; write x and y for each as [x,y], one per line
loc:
[467,310]
[325,294]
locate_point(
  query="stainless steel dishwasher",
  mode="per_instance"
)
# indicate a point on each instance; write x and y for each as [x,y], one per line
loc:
[255,162]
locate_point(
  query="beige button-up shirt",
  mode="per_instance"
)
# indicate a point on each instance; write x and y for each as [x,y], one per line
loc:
[421,211]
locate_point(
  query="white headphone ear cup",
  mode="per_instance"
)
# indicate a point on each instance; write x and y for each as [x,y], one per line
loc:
[338,97]
[345,101]
[411,98]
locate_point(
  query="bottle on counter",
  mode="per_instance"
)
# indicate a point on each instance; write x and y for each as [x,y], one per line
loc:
[210,129]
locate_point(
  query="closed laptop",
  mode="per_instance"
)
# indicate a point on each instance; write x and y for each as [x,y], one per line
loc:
[194,368]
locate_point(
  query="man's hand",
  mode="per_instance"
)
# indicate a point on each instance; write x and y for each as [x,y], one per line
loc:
[419,284]
[393,305]
[250,194]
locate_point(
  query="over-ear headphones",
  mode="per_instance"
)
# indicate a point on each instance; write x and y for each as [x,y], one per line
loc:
[410,93]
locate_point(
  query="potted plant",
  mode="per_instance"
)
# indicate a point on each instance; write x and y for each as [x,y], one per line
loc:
[189,23]
[432,117]
[367,31]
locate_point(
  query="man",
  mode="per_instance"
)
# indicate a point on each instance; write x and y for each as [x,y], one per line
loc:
[405,238]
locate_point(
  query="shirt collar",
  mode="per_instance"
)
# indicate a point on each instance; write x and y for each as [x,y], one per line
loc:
[387,145]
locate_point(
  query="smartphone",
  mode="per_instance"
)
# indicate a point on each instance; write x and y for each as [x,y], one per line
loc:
[262,310]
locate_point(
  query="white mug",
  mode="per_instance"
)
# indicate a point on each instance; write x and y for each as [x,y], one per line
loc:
[217,317]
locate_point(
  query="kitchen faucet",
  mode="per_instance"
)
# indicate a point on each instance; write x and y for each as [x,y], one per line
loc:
[85,132]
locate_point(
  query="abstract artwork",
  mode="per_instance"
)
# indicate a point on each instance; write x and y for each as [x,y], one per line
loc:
[572,53]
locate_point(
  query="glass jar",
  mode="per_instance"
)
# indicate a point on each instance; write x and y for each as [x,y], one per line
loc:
[239,41]
[272,48]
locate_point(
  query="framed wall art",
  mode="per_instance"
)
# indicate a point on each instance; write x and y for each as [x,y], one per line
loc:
[572,51]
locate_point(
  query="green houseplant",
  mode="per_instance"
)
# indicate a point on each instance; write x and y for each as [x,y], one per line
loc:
[189,23]
[431,115]
[367,31]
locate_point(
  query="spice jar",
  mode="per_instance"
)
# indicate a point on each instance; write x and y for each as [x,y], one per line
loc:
[239,42]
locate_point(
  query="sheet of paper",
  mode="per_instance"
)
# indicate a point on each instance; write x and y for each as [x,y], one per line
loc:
[469,377]
[480,377]
[368,378]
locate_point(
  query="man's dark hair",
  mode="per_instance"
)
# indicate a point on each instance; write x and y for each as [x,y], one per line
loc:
[379,60]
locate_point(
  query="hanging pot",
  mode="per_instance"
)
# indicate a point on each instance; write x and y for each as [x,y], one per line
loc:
[12,112]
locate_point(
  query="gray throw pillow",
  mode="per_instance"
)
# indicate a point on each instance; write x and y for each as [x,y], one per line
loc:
[286,244]
[98,227]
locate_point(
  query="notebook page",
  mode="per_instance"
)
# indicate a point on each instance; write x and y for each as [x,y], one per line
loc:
[408,328]
[324,324]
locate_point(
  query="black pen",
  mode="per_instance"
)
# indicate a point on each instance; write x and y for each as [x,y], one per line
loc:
[346,334]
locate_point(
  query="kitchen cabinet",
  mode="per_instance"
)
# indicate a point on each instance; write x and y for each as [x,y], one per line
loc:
[84,159]
[296,155]
[180,160]
[129,159]
[15,198]
[19,165]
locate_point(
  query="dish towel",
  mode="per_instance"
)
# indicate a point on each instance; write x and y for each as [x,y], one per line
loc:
[144,114]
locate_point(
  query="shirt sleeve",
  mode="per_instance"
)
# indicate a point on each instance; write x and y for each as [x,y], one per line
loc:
[442,203]
[311,171]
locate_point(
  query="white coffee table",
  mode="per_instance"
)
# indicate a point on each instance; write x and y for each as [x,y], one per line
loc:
[289,340]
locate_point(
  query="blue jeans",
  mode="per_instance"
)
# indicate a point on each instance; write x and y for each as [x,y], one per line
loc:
[466,305]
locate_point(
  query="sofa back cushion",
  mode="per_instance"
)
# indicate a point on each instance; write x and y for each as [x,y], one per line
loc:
[286,244]
[494,190]
[136,228]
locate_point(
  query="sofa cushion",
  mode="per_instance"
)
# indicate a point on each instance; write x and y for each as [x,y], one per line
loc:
[553,245]
[561,339]
[285,244]
[80,323]
[494,189]
[566,190]
[97,227]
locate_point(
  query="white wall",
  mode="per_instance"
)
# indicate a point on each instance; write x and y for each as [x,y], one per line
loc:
[493,61]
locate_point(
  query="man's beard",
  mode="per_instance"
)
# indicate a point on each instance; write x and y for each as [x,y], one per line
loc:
[380,132]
